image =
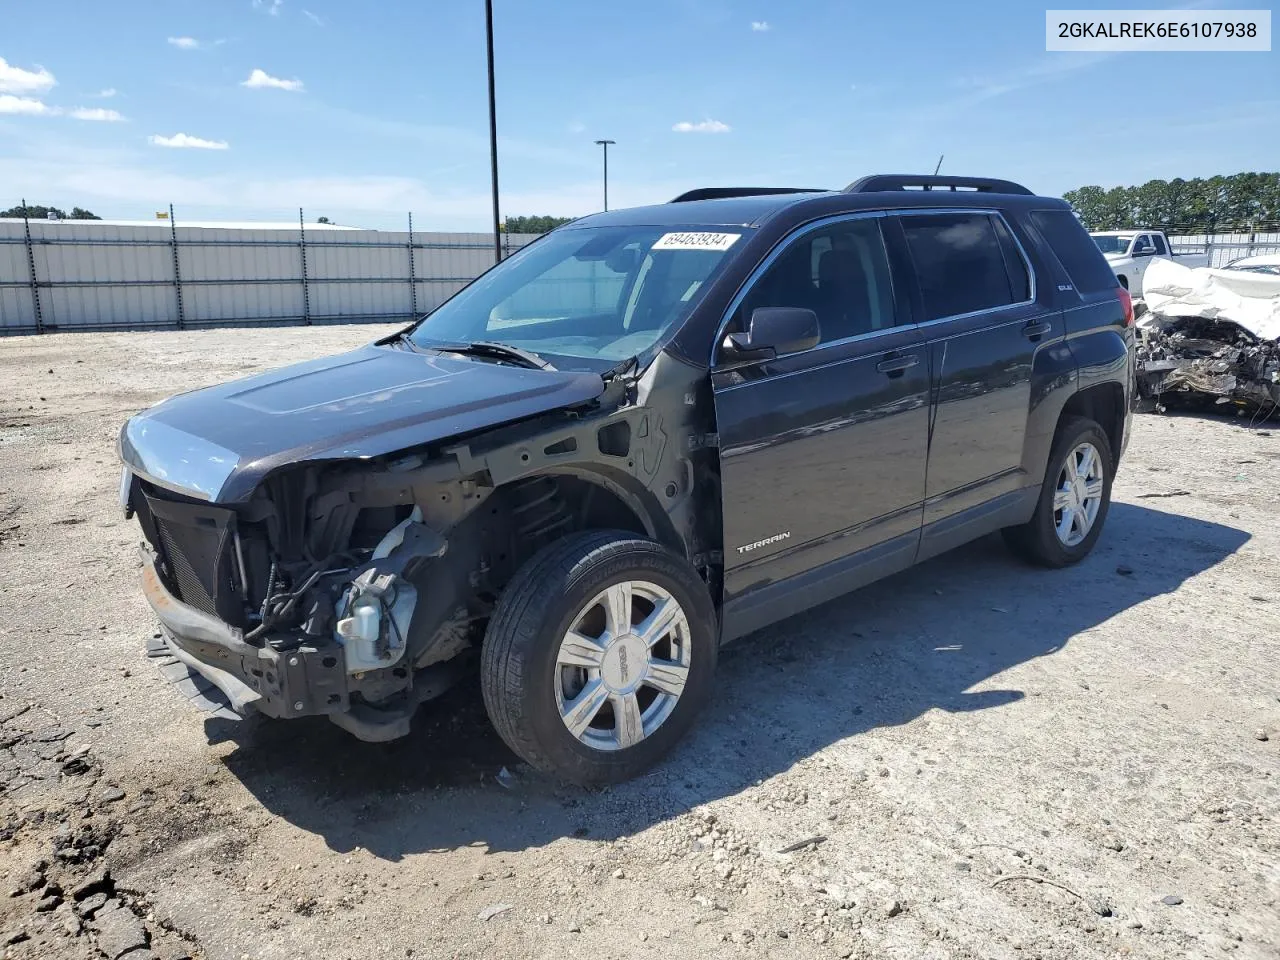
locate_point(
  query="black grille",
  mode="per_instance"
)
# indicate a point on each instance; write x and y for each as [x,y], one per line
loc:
[195,541]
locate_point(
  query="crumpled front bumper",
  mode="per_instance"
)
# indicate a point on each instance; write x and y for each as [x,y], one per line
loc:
[307,680]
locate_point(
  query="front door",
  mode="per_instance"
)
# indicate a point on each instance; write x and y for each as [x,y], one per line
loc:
[822,452]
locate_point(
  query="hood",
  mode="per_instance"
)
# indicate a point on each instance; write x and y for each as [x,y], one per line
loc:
[218,443]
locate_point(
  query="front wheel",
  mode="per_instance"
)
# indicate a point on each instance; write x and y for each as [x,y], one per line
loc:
[598,657]
[1074,498]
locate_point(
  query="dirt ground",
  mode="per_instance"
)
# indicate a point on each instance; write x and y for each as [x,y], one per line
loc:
[986,760]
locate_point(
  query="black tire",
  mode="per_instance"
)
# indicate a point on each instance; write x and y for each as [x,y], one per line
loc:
[537,608]
[1037,540]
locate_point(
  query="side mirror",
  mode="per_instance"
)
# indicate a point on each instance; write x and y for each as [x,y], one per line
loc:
[773,332]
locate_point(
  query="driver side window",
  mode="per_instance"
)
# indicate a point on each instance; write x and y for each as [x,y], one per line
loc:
[840,272]
[1143,247]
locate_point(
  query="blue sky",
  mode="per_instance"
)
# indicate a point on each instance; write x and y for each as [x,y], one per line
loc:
[363,111]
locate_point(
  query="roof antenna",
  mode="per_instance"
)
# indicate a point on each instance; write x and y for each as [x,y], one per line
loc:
[939,166]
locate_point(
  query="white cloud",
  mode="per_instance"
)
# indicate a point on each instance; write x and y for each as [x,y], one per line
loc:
[96,113]
[314,18]
[262,79]
[760,26]
[271,6]
[185,43]
[183,141]
[106,94]
[704,126]
[577,127]
[24,105]
[16,80]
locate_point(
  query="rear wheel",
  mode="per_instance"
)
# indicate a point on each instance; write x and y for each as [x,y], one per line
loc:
[1074,498]
[598,657]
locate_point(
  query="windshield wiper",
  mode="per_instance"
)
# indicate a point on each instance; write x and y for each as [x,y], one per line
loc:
[505,351]
[483,348]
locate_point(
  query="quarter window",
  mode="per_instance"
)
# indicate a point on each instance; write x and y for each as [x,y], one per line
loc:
[960,263]
[840,272]
[1080,256]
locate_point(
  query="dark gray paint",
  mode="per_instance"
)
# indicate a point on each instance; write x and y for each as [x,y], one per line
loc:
[367,403]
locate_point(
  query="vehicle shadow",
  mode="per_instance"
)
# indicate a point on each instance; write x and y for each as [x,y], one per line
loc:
[920,640]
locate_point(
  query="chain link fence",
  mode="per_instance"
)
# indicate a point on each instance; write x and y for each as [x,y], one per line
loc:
[1224,247]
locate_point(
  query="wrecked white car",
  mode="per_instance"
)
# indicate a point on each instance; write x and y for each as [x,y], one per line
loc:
[1210,338]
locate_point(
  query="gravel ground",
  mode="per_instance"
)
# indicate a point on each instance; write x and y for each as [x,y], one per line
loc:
[971,759]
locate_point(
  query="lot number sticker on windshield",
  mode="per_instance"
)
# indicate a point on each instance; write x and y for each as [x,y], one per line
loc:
[696,241]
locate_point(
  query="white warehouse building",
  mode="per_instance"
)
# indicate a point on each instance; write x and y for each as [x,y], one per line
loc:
[103,274]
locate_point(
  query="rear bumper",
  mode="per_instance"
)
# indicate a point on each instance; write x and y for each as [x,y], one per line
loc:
[307,680]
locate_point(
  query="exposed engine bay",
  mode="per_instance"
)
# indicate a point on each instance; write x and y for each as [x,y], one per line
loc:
[359,589]
[1210,338]
[1208,361]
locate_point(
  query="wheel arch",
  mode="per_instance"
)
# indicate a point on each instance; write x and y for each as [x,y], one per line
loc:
[1104,404]
[605,498]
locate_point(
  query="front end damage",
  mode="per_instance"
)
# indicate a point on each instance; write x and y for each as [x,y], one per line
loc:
[1210,338]
[358,589]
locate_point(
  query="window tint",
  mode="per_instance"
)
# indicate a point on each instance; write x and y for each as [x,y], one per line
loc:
[1014,263]
[840,272]
[1161,249]
[959,263]
[1079,255]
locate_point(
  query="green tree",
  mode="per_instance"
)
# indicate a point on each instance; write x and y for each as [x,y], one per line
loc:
[41,212]
[1241,201]
[33,212]
[533,224]
[1117,208]
[322,220]
[1087,203]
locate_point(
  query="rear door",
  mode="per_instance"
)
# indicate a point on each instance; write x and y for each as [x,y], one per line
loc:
[822,452]
[983,325]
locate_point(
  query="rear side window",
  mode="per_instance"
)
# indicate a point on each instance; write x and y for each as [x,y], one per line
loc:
[1079,255]
[1161,249]
[960,264]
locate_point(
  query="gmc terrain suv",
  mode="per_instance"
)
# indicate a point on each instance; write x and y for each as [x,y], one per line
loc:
[646,434]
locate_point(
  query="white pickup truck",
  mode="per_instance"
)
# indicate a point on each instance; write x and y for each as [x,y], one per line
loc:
[1130,252]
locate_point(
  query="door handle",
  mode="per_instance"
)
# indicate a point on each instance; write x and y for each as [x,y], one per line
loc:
[895,365]
[1036,329]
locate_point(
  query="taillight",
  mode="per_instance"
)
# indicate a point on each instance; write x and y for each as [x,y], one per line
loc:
[1126,301]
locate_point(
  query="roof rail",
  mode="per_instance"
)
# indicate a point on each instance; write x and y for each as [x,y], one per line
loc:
[719,193]
[901,181]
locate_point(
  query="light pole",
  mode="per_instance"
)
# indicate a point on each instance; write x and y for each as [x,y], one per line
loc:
[493,132]
[605,144]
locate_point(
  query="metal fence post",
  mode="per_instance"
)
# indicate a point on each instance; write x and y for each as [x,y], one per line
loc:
[177,272]
[413,285]
[31,268]
[302,245]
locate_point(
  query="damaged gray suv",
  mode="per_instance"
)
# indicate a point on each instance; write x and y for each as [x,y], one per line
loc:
[646,434]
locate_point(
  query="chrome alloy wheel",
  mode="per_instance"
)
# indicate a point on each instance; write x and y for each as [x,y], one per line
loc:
[623,664]
[1078,494]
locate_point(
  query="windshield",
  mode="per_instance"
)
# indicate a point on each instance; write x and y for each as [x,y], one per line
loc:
[1113,244]
[586,297]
